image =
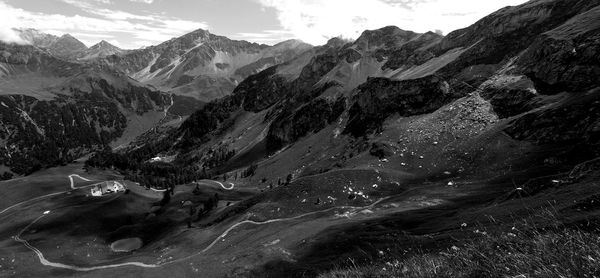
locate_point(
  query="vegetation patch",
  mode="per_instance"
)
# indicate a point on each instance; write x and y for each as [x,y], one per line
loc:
[516,251]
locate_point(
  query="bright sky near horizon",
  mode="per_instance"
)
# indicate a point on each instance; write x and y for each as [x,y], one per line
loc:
[137,23]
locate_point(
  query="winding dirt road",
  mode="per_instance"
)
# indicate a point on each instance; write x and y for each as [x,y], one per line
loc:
[219,183]
[46,262]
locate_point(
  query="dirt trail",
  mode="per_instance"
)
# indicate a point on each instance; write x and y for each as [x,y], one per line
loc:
[46,262]
[219,183]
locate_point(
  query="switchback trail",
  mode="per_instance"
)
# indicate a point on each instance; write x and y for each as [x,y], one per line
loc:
[219,183]
[46,262]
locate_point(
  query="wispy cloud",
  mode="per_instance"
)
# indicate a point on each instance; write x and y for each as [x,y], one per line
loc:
[266,37]
[315,21]
[98,19]
[7,34]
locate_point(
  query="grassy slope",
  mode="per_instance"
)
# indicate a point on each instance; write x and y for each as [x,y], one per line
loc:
[522,253]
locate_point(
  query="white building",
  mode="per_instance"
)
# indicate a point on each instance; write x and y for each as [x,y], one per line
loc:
[107,187]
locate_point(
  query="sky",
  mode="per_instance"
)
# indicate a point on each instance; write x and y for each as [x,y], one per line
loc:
[133,24]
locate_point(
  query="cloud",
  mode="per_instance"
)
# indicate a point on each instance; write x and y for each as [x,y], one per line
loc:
[143,1]
[131,29]
[10,36]
[315,21]
[7,34]
[269,37]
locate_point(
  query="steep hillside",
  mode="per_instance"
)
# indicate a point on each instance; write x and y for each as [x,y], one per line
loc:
[202,65]
[65,110]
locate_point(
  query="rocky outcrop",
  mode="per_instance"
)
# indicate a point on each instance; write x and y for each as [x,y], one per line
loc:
[385,38]
[496,38]
[311,117]
[566,58]
[571,122]
[380,98]
[414,52]
[511,95]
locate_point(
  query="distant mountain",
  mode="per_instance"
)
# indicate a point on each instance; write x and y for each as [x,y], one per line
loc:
[36,38]
[101,50]
[68,47]
[202,65]
[65,47]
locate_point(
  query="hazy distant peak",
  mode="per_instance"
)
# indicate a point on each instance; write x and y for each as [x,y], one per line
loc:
[35,37]
[291,42]
[67,36]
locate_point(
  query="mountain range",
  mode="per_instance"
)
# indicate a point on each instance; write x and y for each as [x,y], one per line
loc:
[140,89]
[313,156]
[491,77]
[202,65]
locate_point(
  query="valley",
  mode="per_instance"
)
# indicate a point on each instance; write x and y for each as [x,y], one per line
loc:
[378,156]
[46,210]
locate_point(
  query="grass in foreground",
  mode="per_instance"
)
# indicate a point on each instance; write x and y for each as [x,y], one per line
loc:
[516,253]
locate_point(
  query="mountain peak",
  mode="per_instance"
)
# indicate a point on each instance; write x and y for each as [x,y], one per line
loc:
[200,31]
[104,44]
[388,36]
[36,37]
[68,36]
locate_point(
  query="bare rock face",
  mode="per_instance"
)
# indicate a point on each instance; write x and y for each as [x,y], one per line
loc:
[380,98]
[413,52]
[311,117]
[501,36]
[511,95]
[566,58]
[564,62]
[573,121]
[384,38]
